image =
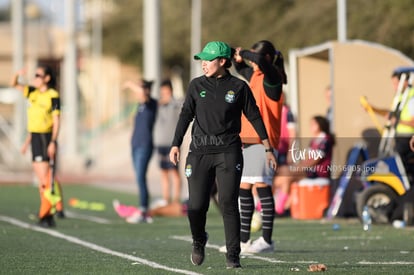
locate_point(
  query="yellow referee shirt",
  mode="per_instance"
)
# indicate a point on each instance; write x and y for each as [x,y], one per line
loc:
[42,106]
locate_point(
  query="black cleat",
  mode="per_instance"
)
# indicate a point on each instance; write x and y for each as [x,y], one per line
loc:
[197,255]
[47,222]
[60,214]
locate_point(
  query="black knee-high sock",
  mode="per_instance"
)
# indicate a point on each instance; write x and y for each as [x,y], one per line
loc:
[246,213]
[268,212]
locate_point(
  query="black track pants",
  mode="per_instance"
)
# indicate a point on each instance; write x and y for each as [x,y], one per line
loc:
[201,172]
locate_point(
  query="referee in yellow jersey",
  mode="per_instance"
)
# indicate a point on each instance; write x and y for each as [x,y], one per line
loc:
[43,122]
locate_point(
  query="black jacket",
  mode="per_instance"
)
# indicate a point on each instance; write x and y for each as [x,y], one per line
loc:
[216,106]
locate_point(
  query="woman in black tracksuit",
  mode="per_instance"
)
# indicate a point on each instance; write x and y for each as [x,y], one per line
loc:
[215,101]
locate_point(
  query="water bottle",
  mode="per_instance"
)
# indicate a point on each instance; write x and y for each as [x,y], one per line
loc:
[366,219]
[398,224]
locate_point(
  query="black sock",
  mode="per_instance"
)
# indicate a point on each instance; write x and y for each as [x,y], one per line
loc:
[246,213]
[268,212]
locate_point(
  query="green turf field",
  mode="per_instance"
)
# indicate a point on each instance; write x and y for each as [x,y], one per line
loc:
[99,242]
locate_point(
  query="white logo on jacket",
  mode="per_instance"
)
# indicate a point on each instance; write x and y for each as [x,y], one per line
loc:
[230,97]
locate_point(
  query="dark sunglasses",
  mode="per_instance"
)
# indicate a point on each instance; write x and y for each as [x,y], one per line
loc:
[39,76]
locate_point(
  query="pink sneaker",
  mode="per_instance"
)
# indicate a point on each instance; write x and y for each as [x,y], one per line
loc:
[124,211]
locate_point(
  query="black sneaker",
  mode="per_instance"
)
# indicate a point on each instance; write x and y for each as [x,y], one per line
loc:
[233,262]
[197,255]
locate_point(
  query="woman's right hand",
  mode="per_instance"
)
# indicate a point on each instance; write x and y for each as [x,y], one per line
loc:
[15,79]
[175,155]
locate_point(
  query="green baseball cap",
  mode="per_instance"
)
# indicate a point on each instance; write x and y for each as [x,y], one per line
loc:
[214,49]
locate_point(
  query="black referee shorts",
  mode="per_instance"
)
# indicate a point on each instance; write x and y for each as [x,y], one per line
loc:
[39,143]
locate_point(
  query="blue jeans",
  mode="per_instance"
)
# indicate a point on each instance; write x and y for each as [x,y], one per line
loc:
[141,157]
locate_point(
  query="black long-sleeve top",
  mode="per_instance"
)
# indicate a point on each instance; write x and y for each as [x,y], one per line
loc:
[273,78]
[216,106]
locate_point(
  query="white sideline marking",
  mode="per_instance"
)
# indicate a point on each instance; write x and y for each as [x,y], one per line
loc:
[346,238]
[71,214]
[93,246]
[252,256]
[385,263]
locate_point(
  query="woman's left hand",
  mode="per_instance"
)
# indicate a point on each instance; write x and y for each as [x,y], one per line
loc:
[271,160]
[51,150]
[175,155]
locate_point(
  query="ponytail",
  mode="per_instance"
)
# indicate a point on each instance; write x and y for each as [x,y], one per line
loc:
[280,63]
